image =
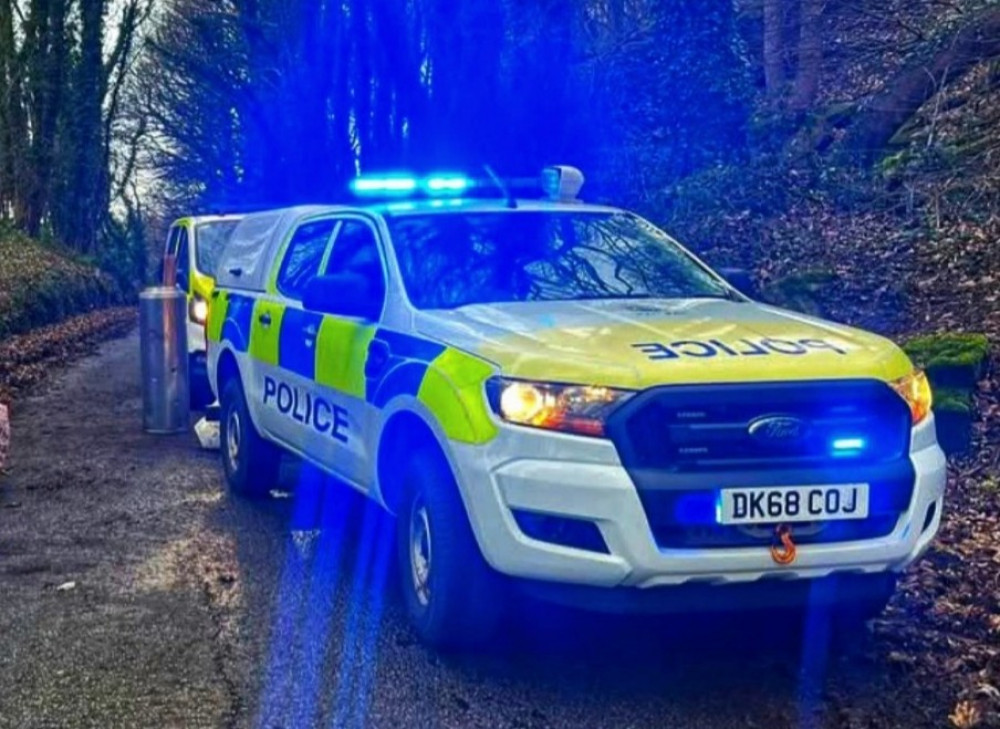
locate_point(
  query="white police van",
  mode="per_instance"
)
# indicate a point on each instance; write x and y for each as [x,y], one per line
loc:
[559,397]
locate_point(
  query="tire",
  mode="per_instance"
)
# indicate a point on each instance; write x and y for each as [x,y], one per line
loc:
[452,596]
[250,462]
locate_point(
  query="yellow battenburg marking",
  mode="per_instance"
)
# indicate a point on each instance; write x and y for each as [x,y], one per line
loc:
[201,285]
[217,308]
[264,340]
[453,390]
[341,349]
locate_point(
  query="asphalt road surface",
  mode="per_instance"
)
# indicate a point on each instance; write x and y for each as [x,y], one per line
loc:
[134,592]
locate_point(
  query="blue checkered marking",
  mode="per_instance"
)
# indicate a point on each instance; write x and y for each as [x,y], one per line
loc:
[405,371]
[294,354]
[239,317]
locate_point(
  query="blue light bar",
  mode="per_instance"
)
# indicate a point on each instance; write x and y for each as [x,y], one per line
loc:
[363,185]
[448,184]
[848,444]
[404,185]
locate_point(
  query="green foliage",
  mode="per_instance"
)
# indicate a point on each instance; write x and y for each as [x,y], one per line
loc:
[950,360]
[954,364]
[953,417]
[39,285]
[956,400]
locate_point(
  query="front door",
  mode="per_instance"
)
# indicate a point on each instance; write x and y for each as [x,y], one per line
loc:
[283,343]
[344,346]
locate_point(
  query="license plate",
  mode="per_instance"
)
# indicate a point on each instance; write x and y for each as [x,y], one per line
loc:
[772,505]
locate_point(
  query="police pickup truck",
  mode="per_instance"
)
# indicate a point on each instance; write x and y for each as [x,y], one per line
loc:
[193,245]
[559,397]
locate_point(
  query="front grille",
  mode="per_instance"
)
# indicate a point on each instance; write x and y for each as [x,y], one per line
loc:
[708,428]
[682,444]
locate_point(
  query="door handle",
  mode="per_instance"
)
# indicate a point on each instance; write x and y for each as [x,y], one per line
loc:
[310,334]
[265,319]
[378,357]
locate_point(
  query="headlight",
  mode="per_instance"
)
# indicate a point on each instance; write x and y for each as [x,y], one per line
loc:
[579,409]
[916,390]
[198,310]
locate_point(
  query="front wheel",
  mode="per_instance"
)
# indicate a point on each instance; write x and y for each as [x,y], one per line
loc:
[451,594]
[250,462]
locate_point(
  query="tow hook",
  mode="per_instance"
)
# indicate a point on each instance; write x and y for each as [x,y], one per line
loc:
[783,548]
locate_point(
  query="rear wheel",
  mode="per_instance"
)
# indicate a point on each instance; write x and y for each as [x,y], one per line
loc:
[451,595]
[250,462]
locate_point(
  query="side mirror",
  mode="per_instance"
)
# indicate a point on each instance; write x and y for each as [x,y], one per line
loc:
[741,280]
[345,294]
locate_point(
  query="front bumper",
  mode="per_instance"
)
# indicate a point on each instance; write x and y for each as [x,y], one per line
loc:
[583,478]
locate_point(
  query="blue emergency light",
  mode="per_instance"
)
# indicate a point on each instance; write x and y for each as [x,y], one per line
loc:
[362,185]
[848,446]
[447,184]
[378,185]
[558,184]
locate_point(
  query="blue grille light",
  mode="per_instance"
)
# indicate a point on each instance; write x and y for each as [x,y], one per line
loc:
[841,445]
[698,507]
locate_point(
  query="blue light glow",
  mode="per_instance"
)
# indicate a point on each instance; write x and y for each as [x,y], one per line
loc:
[405,185]
[447,184]
[698,507]
[848,444]
[362,185]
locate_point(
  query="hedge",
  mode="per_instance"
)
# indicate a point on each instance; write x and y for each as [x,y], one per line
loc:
[40,286]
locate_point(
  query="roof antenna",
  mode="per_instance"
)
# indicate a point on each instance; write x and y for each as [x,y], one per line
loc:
[508,196]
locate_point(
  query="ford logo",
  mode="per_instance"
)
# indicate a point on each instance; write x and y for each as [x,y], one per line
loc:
[778,430]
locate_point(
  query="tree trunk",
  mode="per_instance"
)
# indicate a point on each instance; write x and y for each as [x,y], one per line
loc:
[875,125]
[13,129]
[774,71]
[810,55]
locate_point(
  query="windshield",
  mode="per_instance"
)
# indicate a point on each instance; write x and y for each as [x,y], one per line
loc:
[211,239]
[453,260]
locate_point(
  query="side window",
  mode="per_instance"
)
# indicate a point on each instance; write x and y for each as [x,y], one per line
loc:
[183,260]
[355,251]
[303,257]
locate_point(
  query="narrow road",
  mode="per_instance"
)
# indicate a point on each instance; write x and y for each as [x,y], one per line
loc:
[134,592]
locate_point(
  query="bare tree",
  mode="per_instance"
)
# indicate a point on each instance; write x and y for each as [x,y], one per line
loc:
[774,59]
[810,54]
